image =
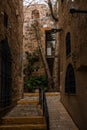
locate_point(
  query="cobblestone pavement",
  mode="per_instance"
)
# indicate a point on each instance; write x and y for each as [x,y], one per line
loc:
[58,116]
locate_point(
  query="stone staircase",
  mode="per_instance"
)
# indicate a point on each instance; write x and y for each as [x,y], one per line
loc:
[27,115]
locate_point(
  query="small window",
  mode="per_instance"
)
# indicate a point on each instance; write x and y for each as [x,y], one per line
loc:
[35,14]
[68,44]
[70,85]
[5,20]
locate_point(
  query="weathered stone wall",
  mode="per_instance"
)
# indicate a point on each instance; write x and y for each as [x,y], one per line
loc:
[75,24]
[30,42]
[14,34]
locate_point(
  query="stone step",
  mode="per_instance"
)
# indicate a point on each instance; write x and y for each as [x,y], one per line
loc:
[37,94]
[24,127]
[31,94]
[24,120]
[24,102]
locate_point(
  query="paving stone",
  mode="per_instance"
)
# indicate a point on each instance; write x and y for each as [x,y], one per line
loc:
[58,116]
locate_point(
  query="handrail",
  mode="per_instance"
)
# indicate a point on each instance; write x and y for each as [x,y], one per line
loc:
[43,103]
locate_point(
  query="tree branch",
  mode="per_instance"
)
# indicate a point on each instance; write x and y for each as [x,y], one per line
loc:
[51,9]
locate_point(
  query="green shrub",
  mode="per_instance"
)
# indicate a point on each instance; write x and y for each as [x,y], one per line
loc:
[36,81]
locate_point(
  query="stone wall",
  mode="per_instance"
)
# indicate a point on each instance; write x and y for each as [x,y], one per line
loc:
[13,32]
[75,25]
[44,20]
[30,40]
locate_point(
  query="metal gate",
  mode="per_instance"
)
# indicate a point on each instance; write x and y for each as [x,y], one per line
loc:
[5,74]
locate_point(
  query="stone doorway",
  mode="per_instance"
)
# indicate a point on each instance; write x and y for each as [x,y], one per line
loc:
[5,74]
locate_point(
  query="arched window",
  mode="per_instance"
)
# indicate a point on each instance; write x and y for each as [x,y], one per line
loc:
[35,14]
[68,44]
[5,74]
[70,85]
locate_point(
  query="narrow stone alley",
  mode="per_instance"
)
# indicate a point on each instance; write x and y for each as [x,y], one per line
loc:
[27,115]
[43,45]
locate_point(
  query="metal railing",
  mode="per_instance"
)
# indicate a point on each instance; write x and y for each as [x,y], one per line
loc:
[43,103]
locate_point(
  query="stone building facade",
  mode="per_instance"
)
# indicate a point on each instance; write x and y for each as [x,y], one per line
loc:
[30,40]
[73,63]
[41,14]
[11,21]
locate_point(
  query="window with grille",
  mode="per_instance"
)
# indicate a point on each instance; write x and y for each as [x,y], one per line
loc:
[68,44]
[70,85]
[5,20]
[5,74]
[50,43]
